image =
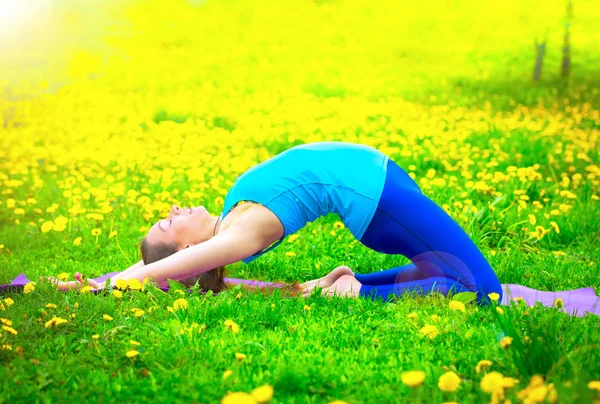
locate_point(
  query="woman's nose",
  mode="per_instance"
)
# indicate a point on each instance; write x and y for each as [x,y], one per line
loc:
[175,210]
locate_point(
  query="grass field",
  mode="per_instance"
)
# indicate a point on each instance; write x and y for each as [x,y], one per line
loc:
[114,111]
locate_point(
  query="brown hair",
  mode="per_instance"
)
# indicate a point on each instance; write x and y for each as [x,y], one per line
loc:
[210,280]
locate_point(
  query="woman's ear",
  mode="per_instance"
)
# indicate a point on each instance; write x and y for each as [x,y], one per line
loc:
[188,245]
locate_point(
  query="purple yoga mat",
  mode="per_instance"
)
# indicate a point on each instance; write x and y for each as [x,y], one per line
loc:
[577,302]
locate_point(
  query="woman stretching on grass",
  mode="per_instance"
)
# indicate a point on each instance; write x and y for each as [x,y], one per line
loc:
[377,200]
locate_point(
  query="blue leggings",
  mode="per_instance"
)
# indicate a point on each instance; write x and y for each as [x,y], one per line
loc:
[443,256]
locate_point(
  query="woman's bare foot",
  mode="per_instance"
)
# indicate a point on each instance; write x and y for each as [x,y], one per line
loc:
[345,286]
[327,280]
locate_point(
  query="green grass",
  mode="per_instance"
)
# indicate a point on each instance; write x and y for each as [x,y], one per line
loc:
[174,101]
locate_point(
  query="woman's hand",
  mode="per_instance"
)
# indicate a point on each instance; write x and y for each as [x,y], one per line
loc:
[76,284]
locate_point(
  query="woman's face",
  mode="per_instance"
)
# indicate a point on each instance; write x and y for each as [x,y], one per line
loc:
[183,227]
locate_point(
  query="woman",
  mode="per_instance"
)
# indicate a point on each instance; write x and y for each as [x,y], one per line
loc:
[378,202]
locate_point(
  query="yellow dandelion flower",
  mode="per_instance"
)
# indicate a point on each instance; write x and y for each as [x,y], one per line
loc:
[9,329]
[50,306]
[9,302]
[112,234]
[290,254]
[494,296]
[536,381]
[552,393]
[227,373]
[180,292]
[240,356]
[505,342]
[132,342]
[61,221]
[499,310]
[263,394]
[559,303]
[238,397]
[306,307]
[232,326]
[540,232]
[85,289]
[537,394]
[134,284]
[6,321]
[121,284]
[77,241]
[180,304]
[96,336]
[412,316]
[594,385]
[532,219]
[30,287]
[449,381]
[6,347]
[55,321]
[430,331]
[117,293]
[96,232]
[132,353]
[170,309]
[509,382]
[72,316]
[484,363]
[76,305]
[107,317]
[138,313]
[293,238]
[555,226]
[413,378]
[492,382]
[333,233]
[63,276]
[456,305]
[338,225]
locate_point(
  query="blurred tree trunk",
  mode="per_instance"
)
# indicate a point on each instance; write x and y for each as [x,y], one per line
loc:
[540,49]
[566,61]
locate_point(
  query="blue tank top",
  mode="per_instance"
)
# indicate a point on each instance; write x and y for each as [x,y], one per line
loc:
[312,180]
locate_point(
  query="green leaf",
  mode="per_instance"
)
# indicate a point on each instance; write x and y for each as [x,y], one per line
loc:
[174,285]
[465,297]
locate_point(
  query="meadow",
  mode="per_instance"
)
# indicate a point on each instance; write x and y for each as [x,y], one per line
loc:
[111,112]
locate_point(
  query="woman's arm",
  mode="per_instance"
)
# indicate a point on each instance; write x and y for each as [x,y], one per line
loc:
[132,268]
[229,246]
